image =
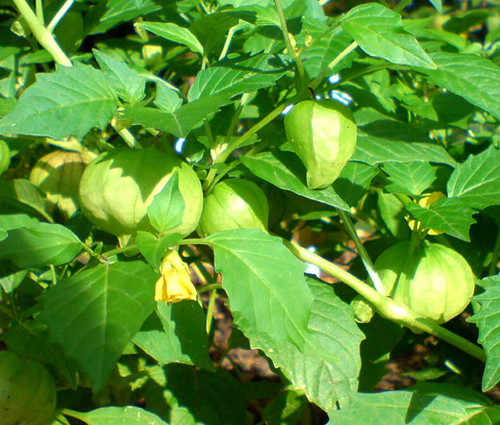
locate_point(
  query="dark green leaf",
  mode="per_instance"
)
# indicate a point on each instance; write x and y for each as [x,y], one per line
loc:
[154,248]
[94,314]
[173,32]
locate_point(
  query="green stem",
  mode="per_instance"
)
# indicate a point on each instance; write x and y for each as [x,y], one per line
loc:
[74,414]
[386,306]
[60,14]
[39,11]
[44,36]
[494,259]
[327,71]
[367,262]
[401,5]
[210,310]
[291,50]
[227,43]
[112,252]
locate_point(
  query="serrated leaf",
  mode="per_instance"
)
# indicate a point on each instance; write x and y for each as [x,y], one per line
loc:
[181,121]
[373,151]
[129,85]
[379,32]
[265,283]
[40,244]
[410,178]
[284,170]
[477,180]
[68,102]
[474,78]
[176,334]
[425,404]
[448,215]
[154,248]
[235,76]
[128,415]
[486,317]
[94,314]
[211,30]
[167,209]
[173,32]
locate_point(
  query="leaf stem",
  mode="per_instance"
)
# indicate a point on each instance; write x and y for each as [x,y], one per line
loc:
[42,34]
[494,259]
[59,15]
[227,43]
[210,310]
[385,306]
[367,262]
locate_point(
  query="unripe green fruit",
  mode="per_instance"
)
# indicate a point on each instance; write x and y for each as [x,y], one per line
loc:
[323,134]
[118,186]
[234,204]
[27,392]
[436,282]
[58,174]
[4,156]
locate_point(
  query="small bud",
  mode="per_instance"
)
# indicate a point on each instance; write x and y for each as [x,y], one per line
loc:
[174,285]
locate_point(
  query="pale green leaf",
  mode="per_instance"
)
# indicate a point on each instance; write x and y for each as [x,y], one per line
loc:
[167,98]
[94,314]
[474,78]
[477,180]
[14,221]
[410,178]
[68,102]
[176,334]
[379,32]
[486,307]
[128,415]
[265,283]
[173,32]
[284,170]
[154,248]
[40,244]
[167,209]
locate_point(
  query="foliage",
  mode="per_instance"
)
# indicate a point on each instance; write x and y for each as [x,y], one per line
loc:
[143,314]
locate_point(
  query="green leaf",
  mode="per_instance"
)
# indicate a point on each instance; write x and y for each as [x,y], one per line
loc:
[173,32]
[284,170]
[153,248]
[176,334]
[265,283]
[167,98]
[288,408]
[392,213]
[373,151]
[127,82]
[211,30]
[167,209]
[14,221]
[68,102]
[448,215]
[180,122]
[438,5]
[477,180]
[474,78]
[329,374]
[128,415]
[486,308]
[40,244]
[21,195]
[379,32]
[235,76]
[423,405]
[94,314]
[410,178]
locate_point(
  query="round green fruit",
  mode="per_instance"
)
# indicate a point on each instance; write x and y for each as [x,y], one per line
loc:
[4,156]
[234,204]
[118,186]
[435,282]
[27,392]
[323,134]
[58,174]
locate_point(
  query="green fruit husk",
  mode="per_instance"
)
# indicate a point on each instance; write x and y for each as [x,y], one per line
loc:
[234,204]
[27,392]
[323,134]
[118,186]
[435,283]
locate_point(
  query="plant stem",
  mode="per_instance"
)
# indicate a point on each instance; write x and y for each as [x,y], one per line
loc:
[494,259]
[327,71]
[59,15]
[42,34]
[290,47]
[210,310]
[367,262]
[227,43]
[385,306]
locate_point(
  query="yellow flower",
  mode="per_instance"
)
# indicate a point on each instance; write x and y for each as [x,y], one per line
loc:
[174,285]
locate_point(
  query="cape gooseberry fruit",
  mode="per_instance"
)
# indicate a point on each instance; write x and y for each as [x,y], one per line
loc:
[234,204]
[323,134]
[58,174]
[118,186]
[27,392]
[435,282]
[4,156]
